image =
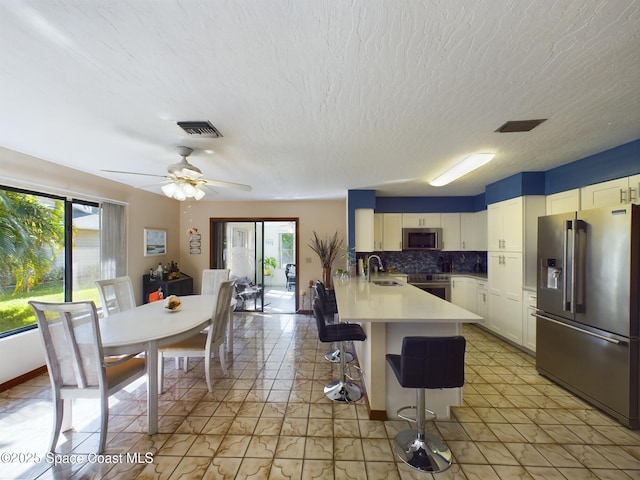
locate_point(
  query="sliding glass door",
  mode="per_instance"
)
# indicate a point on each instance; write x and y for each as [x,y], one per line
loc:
[239,248]
[261,257]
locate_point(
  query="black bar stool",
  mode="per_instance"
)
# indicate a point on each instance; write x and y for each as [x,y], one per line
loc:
[426,362]
[343,390]
[330,309]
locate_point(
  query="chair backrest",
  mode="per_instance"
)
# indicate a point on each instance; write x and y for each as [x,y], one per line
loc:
[318,313]
[432,362]
[73,347]
[290,270]
[116,295]
[220,316]
[212,278]
[321,291]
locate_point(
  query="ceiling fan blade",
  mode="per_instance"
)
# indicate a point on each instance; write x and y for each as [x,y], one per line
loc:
[223,184]
[135,173]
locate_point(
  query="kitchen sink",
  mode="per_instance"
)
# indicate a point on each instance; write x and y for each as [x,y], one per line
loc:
[386,283]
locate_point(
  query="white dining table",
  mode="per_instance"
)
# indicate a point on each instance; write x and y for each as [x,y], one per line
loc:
[151,326]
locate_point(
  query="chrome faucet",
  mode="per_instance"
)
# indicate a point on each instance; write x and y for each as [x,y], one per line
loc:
[381,269]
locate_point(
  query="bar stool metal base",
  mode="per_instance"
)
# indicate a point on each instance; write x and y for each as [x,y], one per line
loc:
[427,454]
[341,391]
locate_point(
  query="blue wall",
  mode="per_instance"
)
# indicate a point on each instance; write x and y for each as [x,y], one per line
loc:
[621,161]
[617,162]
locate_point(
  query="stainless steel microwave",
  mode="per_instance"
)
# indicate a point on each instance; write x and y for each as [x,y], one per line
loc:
[421,239]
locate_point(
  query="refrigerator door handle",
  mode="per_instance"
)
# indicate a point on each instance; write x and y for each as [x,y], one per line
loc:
[601,337]
[566,305]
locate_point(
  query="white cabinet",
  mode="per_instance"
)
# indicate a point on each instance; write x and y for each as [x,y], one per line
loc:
[529,300]
[392,232]
[463,292]
[562,202]
[450,223]
[505,224]
[364,230]
[420,220]
[482,299]
[634,189]
[473,231]
[378,231]
[505,294]
[614,192]
[388,232]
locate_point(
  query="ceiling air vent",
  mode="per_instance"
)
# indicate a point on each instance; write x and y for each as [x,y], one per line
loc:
[201,129]
[520,125]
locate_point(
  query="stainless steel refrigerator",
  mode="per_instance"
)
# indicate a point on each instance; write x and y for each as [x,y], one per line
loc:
[587,311]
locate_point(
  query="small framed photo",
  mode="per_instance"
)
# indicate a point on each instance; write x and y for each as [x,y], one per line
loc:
[155,242]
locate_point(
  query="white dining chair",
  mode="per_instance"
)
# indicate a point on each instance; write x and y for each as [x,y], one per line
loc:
[116,295]
[212,278]
[204,343]
[77,368]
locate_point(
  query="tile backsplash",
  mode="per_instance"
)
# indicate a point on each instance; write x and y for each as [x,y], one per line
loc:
[431,261]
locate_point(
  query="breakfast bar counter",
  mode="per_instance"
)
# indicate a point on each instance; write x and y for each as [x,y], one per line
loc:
[389,310]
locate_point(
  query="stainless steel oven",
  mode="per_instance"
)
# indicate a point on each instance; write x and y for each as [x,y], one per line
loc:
[437,284]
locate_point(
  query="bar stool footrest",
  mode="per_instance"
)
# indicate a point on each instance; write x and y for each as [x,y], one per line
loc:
[359,375]
[334,356]
[431,415]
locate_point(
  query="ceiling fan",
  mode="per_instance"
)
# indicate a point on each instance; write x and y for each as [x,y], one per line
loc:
[184,180]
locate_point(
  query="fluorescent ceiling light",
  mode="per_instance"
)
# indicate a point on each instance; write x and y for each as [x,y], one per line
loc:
[467,165]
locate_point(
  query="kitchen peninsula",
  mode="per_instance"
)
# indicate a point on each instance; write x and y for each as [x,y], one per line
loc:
[389,310]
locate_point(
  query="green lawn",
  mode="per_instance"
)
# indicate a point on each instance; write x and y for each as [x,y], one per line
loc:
[15,311]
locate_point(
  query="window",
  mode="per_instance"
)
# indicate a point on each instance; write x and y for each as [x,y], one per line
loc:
[49,250]
[287,254]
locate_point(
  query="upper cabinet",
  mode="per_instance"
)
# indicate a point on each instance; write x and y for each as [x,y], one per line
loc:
[563,202]
[378,229]
[392,232]
[614,192]
[473,231]
[505,225]
[364,230]
[388,232]
[450,223]
[421,220]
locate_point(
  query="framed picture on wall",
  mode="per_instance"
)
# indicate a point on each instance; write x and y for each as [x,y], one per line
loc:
[155,242]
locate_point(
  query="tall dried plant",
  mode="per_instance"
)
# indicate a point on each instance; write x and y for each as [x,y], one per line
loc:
[327,248]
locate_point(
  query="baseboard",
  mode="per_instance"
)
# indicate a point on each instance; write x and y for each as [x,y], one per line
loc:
[23,378]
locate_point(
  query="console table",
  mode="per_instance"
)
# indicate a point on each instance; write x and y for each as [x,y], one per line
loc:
[180,286]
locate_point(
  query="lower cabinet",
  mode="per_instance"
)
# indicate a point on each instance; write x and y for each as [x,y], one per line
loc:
[463,293]
[505,294]
[529,300]
[482,300]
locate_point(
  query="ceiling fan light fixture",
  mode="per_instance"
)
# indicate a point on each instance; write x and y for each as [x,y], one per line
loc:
[467,165]
[169,189]
[199,193]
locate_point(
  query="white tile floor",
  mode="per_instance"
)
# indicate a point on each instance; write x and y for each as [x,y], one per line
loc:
[269,419]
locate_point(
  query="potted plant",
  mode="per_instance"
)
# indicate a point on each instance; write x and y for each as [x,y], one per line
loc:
[327,249]
[268,264]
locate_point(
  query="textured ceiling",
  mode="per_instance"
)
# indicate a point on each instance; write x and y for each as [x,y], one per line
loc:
[315,97]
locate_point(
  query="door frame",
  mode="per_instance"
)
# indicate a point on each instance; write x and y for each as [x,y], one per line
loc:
[295,220]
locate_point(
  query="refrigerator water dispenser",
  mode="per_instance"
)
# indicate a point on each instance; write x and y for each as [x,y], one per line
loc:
[553,274]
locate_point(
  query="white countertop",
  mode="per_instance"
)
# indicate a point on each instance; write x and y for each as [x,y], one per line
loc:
[362,301]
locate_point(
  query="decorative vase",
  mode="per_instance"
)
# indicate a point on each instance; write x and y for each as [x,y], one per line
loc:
[326,277]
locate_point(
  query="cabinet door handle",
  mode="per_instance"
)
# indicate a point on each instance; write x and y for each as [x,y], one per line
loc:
[623,196]
[632,196]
